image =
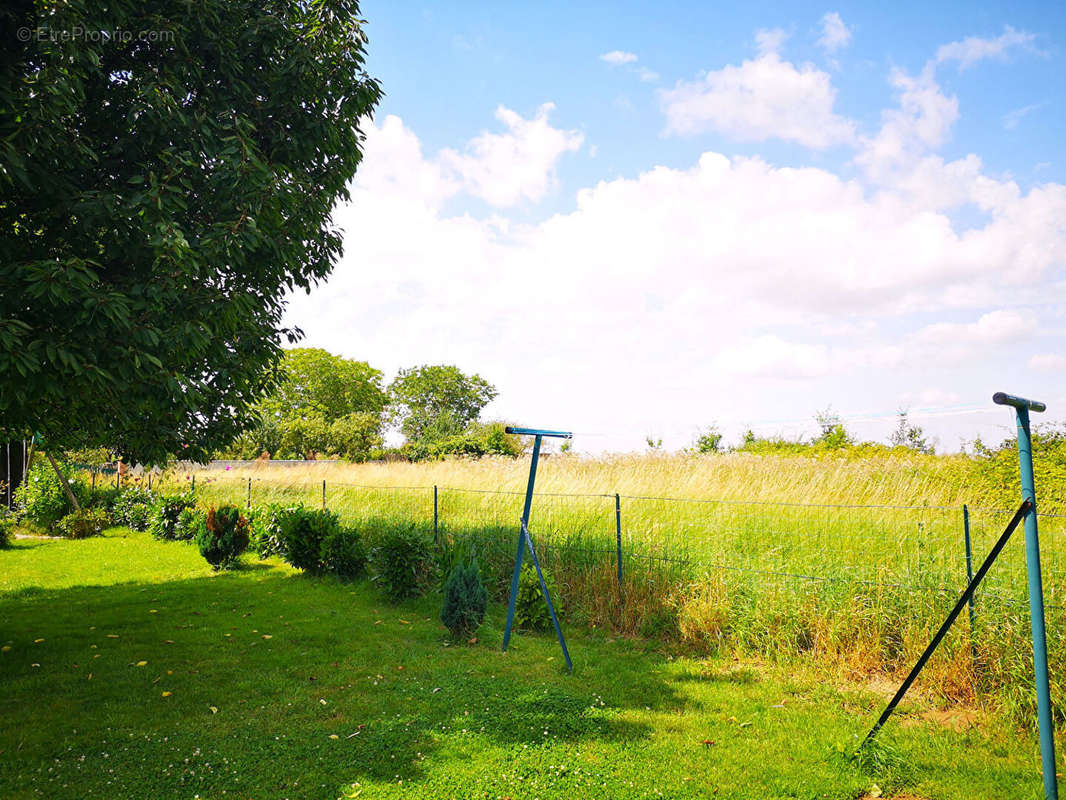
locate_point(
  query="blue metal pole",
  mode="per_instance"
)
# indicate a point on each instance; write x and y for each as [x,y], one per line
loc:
[1036,608]
[547,598]
[521,541]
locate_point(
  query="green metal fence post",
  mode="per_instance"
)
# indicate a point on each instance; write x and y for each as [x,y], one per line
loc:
[323,494]
[434,513]
[193,487]
[618,536]
[1036,589]
[249,493]
[969,579]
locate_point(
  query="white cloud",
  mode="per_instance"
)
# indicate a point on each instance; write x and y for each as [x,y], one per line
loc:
[506,168]
[770,40]
[617,58]
[761,99]
[1049,362]
[990,330]
[1012,118]
[921,123]
[972,49]
[835,34]
[648,75]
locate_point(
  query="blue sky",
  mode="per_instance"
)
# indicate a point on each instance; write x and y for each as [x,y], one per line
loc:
[646,218]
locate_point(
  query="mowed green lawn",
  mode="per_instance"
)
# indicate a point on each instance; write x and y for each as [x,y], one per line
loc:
[129,670]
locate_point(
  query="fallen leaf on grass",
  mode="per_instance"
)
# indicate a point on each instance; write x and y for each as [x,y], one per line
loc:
[404,622]
[142,663]
[38,641]
[213,709]
[167,694]
[334,736]
[5,648]
[707,742]
[267,636]
[168,641]
[112,636]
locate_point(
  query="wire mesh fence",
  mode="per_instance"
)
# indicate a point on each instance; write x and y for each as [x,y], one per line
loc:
[913,548]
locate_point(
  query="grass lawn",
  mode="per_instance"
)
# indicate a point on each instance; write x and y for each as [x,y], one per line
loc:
[129,670]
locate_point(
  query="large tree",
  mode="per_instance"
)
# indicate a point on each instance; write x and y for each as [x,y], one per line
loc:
[434,402]
[167,173]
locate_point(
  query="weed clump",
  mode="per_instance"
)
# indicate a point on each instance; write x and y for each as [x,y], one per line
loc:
[465,600]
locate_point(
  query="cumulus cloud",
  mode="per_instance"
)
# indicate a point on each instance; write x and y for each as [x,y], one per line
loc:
[763,98]
[617,58]
[835,34]
[972,49]
[1049,362]
[506,168]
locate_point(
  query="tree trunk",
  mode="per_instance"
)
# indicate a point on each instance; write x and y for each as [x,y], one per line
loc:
[63,481]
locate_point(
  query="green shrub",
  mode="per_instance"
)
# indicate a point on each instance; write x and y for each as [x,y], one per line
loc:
[223,537]
[41,498]
[103,496]
[301,532]
[166,514]
[403,562]
[191,523]
[133,507]
[465,600]
[266,529]
[344,553]
[82,524]
[531,610]
[7,527]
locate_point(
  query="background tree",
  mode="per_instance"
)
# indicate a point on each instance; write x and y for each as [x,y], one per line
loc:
[909,435]
[709,440]
[321,404]
[159,197]
[431,403]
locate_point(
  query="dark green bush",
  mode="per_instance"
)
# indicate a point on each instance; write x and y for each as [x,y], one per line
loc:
[266,529]
[166,514]
[223,537]
[103,496]
[133,507]
[465,600]
[531,610]
[301,532]
[82,524]
[403,562]
[344,553]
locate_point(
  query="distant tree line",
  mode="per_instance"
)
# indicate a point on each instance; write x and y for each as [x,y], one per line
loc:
[326,406]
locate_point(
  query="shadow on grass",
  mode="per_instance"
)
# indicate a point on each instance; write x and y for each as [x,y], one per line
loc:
[285,678]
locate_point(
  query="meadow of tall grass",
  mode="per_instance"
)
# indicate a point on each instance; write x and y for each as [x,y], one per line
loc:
[844,564]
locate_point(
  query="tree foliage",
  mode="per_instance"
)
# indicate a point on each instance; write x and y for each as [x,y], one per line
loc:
[160,194]
[432,403]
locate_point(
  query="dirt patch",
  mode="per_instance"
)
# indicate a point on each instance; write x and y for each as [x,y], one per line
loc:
[957,719]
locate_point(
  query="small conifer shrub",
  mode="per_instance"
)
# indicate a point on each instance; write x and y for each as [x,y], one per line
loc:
[465,600]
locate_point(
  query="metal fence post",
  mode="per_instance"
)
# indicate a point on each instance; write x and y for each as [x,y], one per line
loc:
[94,480]
[435,515]
[249,493]
[618,536]
[1036,589]
[193,487]
[969,578]
[323,494]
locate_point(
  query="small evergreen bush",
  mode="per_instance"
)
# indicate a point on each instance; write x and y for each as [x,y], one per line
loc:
[344,553]
[531,610]
[132,508]
[403,562]
[301,532]
[166,514]
[465,600]
[82,524]
[223,537]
